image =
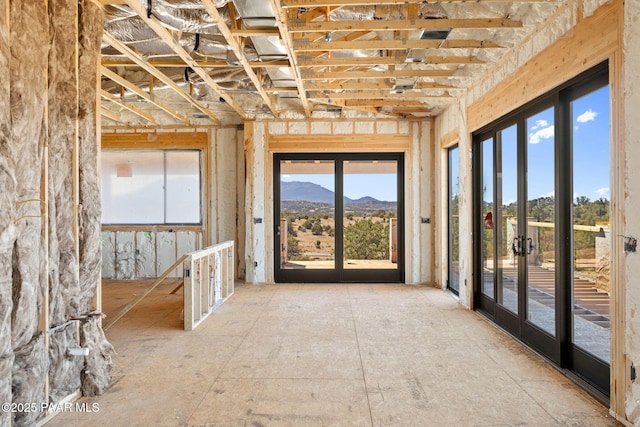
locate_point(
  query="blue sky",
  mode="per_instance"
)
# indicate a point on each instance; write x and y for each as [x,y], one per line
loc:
[591,156]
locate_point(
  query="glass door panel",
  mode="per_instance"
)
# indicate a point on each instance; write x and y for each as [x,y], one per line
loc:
[370,232]
[591,234]
[454,221]
[307,214]
[488,266]
[538,242]
[506,222]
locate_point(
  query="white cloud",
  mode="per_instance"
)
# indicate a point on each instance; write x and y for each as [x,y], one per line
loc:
[544,133]
[587,116]
[603,192]
[540,124]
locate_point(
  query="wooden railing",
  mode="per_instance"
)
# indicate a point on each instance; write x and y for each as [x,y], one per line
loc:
[208,281]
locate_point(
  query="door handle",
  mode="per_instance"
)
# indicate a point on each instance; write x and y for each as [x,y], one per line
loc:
[516,246]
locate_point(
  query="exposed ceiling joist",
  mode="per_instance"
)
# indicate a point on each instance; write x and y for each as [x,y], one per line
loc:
[296,26]
[333,75]
[238,52]
[156,73]
[339,52]
[202,64]
[381,103]
[113,98]
[171,41]
[141,93]
[324,3]
[281,22]
[113,116]
[305,61]
[374,94]
[304,45]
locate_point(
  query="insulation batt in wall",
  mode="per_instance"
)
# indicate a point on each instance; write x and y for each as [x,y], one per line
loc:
[50,243]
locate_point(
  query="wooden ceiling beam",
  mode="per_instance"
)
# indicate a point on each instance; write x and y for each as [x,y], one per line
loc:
[138,60]
[374,95]
[172,41]
[238,51]
[202,64]
[377,74]
[113,116]
[343,3]
[382,103]
[306,61]
[312,85]
[304,45]
[135,110]
[141,93]
[296,26]
[281,22]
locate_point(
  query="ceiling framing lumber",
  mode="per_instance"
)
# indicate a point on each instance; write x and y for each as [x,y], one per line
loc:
[238,52]
[303,44]
[297,26]
[113,98]
[305,61]
[281,22]
[173,43]
[203,64]
[333,75]
[156,73]
[367,55]
[325,3]
[141,93]
[113,116]
[373,94]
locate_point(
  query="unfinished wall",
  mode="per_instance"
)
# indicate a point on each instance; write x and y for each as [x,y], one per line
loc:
[137,252]
[631,183]
[413,138]
[7,216]
[44,126]
[582,34]
[145,252]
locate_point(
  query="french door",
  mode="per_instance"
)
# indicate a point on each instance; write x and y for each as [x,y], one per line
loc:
[541,211]
[339,217]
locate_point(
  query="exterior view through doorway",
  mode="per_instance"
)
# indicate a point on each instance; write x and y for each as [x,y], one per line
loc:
[339,217]
[542,261]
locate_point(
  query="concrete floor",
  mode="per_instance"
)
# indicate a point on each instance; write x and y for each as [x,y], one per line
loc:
[321,355]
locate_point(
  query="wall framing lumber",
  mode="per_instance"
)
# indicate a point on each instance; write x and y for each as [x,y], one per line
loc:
[338,143]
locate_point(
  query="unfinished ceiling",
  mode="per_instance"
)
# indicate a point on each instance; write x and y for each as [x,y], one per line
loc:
[199,62]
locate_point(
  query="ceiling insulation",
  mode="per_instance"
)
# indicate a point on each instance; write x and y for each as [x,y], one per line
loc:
[219,61]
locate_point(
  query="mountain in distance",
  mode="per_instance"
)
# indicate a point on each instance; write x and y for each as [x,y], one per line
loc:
[310,192]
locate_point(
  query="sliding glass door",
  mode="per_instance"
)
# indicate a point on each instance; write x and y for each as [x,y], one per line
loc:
[541,207]
[340,217]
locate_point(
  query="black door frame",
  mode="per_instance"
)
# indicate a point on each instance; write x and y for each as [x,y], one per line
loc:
[339,274]
[591,372]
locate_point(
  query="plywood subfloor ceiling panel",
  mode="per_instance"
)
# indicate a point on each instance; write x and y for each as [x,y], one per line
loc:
[203,62]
